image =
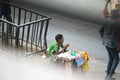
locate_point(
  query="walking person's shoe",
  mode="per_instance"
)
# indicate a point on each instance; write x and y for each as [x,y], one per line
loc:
[109,78]
[113,73]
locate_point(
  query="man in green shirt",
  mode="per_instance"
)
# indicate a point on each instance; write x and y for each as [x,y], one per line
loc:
[55,47]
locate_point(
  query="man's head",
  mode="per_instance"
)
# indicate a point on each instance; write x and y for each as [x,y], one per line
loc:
[59,38]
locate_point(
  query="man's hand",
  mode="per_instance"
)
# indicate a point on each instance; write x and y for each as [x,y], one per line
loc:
[66,46]
[107,0]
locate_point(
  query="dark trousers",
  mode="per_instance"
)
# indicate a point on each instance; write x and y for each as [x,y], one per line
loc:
[8,18]
[5,11]
[113,61]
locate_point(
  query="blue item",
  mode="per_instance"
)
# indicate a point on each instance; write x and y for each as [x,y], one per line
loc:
[73,53]
[80,62]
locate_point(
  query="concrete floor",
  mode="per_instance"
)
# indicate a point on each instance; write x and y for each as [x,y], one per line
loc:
[79,34]
[36,68]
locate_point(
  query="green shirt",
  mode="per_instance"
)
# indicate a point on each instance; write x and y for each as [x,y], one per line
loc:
[54,48]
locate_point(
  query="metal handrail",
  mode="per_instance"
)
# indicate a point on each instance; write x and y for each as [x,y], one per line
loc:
[25,23]
[34,22]
[9,22]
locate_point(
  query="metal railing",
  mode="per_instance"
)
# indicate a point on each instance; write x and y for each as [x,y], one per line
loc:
[28,29]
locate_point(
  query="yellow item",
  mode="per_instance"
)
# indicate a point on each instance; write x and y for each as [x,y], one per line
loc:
[86,57]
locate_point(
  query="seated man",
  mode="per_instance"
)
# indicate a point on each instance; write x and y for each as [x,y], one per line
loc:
[54,49]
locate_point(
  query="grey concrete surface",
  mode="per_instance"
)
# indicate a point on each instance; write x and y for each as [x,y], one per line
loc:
[36,68]
[82,9]
[80,35]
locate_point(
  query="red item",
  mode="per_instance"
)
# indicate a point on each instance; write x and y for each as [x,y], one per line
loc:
[106,13]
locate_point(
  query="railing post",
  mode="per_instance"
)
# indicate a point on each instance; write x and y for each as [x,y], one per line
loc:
[19,16]
[17,36]
[7,33]
[28,35]
[2,31]
[45,35]
[40,34]
[17,28]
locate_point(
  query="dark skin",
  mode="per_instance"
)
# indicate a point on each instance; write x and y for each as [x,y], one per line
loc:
[60,42]
[106,6]
[107,3]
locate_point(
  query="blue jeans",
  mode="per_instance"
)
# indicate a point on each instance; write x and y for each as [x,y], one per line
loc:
[113,61]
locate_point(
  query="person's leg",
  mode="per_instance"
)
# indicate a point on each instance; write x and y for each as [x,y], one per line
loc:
[9,18]
[115,62]
[0,21]
[0,10]
[110,62]
[7,15]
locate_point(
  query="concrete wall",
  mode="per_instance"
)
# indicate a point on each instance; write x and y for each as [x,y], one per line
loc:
[89,10]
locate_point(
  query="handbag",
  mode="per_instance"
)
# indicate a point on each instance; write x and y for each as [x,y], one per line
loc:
[105,13]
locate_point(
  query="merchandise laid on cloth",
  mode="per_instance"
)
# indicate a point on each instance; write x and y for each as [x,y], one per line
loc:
[80,58]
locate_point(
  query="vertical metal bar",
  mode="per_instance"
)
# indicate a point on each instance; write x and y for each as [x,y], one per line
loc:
[37,24]
[3,35]
[37,35]
[7,33]
[17,36]
[25,16]
[0,26]
[35,29]
[23,29]
[13,20]
[19,16]
[30,16]
[11,35]
[14,14]
[40,35]
[14,10]
[17,31]
[28,33]
[34,32]
[32,36]
[45,34]
[23,32]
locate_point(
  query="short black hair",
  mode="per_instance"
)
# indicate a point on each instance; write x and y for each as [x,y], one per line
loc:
[58,37]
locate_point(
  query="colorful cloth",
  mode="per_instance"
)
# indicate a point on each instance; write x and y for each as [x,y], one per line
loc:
[85,55]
